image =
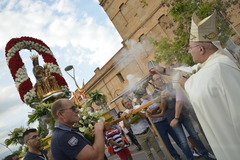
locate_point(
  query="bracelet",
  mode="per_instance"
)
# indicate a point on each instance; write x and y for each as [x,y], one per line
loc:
[176,118]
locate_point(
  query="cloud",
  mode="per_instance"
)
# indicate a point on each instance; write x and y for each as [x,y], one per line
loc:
[8,98]
[72,33]
[62,29]
[13,116]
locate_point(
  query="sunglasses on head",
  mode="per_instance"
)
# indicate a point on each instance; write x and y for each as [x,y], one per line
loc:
[73,108]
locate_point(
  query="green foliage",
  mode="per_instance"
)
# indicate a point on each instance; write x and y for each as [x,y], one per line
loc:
[43,109]
[96,97]
[144,2]
[22,151]
[18,152]
[15,136]
[176,49]
[40,110]
[134,118]
[170,51]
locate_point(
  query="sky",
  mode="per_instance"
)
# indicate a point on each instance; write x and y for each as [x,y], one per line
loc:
[78,32]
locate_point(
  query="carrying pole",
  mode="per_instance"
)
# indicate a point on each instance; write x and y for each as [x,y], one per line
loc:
[159,137]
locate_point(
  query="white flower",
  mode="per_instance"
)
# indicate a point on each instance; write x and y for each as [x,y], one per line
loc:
[21,74]
[54,68]
[90,125]
[23,151]
[29,96]
[81,129]
[81,110]
[88,119]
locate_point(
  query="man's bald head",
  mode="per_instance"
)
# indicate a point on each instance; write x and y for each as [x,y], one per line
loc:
[57,106]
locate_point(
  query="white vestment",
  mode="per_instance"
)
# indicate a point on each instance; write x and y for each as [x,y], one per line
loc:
[214,92]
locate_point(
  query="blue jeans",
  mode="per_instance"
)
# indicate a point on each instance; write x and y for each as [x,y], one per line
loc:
[164,129]
[186,121]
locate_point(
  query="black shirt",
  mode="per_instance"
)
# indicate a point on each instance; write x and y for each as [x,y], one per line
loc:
[34,156]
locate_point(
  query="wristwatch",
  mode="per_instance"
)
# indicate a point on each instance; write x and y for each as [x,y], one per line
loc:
[176,118]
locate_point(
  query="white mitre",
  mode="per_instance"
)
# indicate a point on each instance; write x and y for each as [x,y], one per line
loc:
[204,30]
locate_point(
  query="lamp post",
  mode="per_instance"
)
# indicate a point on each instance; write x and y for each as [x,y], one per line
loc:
[69,68]
[6,147]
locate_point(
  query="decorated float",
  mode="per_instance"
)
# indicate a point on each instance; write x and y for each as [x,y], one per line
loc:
[50,85]
[49,78]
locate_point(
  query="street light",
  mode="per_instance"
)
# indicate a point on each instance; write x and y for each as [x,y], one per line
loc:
[6,147]
[68,68]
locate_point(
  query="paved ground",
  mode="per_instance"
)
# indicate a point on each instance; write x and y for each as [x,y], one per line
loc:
[140,155]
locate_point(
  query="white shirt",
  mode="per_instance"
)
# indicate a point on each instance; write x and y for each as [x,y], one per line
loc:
[141,125]
[125,130]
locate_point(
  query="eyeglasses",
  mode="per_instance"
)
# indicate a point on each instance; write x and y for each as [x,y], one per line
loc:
[34,137]
[158,79]
[189,48]
[73,108]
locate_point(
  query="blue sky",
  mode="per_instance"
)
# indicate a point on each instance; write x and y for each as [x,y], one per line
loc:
[78,32]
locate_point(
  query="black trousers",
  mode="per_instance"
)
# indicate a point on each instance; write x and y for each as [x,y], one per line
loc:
[133,138]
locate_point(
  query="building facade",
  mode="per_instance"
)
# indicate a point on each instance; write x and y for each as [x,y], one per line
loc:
[136,21]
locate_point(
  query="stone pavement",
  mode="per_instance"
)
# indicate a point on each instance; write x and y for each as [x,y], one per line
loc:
[140,155]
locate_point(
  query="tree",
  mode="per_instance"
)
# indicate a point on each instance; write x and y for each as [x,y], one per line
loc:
[98,98]
[176,49]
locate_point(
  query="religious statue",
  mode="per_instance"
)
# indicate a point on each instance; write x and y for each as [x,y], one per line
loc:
[50,79]
[45,82]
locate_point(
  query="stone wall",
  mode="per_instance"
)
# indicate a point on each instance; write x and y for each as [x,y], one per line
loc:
[136,21]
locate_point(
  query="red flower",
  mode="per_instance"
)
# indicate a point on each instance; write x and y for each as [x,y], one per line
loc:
[48,58]
[25,87]
[10,44]
[61,81]
[14,64]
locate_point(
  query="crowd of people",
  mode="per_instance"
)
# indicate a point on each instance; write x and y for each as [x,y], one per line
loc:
[210,92]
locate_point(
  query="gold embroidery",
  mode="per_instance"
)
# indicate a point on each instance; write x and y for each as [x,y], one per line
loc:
[192,36]
[210,36]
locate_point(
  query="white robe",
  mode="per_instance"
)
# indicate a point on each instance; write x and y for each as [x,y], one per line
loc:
[214,92]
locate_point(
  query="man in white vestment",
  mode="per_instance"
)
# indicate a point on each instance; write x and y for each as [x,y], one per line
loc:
[214,90]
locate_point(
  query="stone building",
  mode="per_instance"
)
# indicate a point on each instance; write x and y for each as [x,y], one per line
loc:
[136,21]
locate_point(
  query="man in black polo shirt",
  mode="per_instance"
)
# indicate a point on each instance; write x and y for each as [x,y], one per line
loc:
[67,142]
[32,140]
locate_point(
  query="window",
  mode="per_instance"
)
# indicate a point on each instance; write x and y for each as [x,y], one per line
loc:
[119,75]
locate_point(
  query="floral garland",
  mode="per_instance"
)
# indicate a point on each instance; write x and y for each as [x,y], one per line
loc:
[18,70]
[88,118]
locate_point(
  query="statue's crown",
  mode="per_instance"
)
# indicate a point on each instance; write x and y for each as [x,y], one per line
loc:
[204,30]
[34,57]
